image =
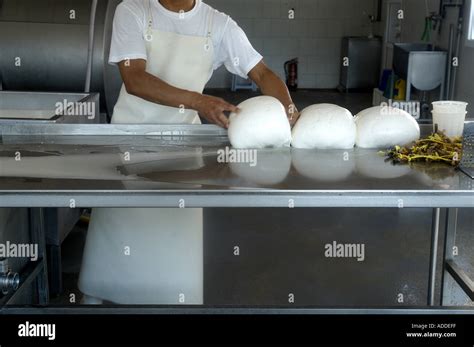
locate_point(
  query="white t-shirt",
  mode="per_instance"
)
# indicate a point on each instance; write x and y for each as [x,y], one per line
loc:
[230,42]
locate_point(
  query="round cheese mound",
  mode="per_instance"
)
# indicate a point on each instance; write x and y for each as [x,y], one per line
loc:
[261,123]
[324,126]
[384,127]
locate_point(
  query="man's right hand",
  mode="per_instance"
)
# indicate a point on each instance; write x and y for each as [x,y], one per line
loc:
[212,109]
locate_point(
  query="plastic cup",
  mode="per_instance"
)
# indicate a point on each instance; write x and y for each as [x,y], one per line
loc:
[449,117]
[451,124]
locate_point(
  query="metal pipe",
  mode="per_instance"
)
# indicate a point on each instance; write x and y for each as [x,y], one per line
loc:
[458,46]
[450,62]
[434,256]
[90,49]
[37,225]
[450,226]
[455,69]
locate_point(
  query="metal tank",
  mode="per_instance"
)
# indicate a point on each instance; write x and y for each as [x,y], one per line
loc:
[49,40]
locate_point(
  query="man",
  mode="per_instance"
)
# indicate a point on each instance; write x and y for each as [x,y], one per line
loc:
[162,82]
[166,51]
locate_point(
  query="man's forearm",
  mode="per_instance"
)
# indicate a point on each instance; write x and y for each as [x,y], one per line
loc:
[272,85]
[153,89]
[146,86]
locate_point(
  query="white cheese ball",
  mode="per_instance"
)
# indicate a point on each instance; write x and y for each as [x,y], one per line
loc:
[324,126]
[385,127]
[261,123]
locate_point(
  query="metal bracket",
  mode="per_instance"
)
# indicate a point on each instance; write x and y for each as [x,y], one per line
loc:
[461,278]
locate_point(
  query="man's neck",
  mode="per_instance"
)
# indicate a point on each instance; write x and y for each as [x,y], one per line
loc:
[178,5]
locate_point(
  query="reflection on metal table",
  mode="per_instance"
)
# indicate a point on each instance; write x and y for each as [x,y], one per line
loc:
[157,166]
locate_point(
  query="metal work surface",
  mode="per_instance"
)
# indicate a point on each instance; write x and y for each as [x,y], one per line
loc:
[157,166]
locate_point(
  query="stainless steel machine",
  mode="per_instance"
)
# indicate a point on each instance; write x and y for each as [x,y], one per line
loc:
[55,53]
[45,47]
[361,60]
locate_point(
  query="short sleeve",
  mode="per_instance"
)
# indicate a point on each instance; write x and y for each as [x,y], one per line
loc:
[127,36]
[236,51]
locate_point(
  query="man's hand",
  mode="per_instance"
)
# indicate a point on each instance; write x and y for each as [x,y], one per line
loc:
[212,109]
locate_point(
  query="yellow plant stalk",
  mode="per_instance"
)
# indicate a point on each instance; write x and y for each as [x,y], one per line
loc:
[435,148]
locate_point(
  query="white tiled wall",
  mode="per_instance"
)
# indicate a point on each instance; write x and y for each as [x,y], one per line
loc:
[314,36]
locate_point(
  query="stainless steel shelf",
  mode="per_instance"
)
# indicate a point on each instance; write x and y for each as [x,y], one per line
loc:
[233,198]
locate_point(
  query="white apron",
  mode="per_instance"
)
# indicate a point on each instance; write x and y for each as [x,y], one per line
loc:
[152,256]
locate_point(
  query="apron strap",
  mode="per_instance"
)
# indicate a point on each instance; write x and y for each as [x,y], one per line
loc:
[209,30]
[211,22]
[149,33]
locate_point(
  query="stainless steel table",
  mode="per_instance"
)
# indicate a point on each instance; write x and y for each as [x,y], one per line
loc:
[157,166]
[177,166]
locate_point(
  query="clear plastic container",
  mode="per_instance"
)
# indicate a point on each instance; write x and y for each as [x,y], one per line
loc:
[449,117]
[452,124]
